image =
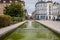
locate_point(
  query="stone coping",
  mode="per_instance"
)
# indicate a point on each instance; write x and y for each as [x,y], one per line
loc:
[5,30]
[51,24]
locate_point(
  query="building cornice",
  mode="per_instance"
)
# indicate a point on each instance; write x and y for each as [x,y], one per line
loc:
[43,2]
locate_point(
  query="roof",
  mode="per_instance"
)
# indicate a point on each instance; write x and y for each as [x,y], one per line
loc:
[40,2]
[43,2]
[49,2]
[56,3]
[7,1]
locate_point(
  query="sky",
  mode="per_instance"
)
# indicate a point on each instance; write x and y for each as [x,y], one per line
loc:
[30,5]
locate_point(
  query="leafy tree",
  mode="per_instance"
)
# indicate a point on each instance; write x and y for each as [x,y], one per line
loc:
[14,10]
[59,15]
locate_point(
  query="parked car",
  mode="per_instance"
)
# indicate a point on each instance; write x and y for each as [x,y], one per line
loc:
[58,19]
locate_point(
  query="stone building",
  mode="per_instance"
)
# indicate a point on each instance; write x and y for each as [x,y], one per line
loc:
[3,3]
[46,9]
[55,10]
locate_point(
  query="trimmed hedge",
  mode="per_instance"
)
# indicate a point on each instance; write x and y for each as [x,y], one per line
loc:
[17,19]
[5,20]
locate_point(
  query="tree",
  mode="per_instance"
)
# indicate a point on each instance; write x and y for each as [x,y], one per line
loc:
[14,10]
[59,15]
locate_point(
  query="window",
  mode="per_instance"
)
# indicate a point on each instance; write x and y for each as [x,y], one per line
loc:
[4,1]
[16,1]
[0,0]
[49,10]
[10,1]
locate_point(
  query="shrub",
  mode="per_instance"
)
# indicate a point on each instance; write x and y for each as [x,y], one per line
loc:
[17,19]
[22,18]
[4,20]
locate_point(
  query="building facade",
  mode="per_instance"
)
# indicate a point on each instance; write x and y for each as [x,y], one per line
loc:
[45,10]
[3,3]
[41,10]
[56,10]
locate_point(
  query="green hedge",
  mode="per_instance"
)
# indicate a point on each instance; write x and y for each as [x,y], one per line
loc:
[17,19]
[5,20]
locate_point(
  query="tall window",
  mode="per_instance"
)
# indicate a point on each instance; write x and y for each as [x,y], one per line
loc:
[0,0]
[16,1]
[4,1]
[10,1]
[49,10]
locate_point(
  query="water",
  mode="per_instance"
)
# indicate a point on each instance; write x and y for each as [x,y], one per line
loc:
[32,31]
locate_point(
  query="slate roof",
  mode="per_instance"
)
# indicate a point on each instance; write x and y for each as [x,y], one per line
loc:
[7,1]
[44,2]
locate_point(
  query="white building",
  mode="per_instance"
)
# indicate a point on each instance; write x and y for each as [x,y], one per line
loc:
[41,10]
[56,10]
[45,9]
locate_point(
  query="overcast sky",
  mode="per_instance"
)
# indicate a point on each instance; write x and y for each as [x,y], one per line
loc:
[30,5]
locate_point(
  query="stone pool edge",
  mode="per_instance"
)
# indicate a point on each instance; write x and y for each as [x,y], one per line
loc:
[50,27]
[7,29]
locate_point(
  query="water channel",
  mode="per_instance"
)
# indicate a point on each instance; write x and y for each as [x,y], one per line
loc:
[32,31]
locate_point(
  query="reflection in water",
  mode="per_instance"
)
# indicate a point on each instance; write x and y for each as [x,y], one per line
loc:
[29,25]
[32,31]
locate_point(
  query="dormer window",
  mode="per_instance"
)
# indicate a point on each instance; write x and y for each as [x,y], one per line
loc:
[0,0]
[4,1]
[10,1]
[16,1]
